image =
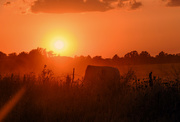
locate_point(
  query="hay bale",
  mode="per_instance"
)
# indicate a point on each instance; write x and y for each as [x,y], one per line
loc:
[101,80]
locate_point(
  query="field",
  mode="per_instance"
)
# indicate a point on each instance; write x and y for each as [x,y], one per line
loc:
[165,71]
[48,98]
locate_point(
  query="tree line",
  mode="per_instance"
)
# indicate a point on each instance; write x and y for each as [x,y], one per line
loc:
[37,58]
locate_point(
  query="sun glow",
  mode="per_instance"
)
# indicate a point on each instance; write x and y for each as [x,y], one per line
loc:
[60,42]
[59,45]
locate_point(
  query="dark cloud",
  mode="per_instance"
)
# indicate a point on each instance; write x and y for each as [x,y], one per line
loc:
[69,6]
[136,5]
[76,6]
[7,3]
[173,3]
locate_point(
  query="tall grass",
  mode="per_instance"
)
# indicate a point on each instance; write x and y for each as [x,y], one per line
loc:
[51,99]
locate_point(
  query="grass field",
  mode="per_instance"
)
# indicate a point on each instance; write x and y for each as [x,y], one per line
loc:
[51,99]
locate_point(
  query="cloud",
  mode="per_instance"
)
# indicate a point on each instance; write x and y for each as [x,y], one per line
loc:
[173,3]
[7,3]
[133,4]
[136,5]
[77,6]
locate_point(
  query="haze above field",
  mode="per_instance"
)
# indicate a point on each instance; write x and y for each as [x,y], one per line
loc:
[90,27]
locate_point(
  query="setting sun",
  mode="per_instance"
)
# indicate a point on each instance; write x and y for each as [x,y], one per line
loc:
[59,45]
[61,42]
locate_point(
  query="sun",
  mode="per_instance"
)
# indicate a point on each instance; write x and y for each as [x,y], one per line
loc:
[61,43]
[58,45]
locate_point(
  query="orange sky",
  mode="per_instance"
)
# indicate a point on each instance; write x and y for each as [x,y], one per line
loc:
[96,29]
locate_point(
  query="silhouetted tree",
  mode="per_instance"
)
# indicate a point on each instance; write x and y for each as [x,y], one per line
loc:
[162,54]
[115,57]
[36,58]
[131,54]
[97,57]
[144,57]
[2,55]
[44,52]
[50,54]
[178,54]
[162,57]
[23,55]
[36,52]
[88,57]
[12,55]
[144,54]
[131,57]
[22,59]
[82,57]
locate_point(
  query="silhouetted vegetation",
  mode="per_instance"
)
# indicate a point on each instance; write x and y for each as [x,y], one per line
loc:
[49,98]
[34,60]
